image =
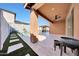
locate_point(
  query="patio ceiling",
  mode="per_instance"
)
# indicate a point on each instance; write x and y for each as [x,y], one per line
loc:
[50,10]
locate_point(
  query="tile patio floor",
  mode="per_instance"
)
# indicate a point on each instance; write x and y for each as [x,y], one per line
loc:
[45,45]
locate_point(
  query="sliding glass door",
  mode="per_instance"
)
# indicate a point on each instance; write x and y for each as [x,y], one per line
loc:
[70,24]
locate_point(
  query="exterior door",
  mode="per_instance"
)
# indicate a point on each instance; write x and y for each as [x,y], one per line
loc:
[70,24]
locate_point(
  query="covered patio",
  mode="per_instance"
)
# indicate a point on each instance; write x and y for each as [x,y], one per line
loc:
[62,23]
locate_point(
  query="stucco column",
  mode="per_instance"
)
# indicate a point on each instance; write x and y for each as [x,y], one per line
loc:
[33,22]
[33,26]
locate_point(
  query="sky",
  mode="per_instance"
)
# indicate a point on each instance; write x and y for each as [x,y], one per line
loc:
[21,13]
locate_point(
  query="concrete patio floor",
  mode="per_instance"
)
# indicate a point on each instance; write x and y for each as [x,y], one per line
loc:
[45,45]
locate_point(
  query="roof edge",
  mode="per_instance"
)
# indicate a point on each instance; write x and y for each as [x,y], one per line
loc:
[8,11]
[21,22]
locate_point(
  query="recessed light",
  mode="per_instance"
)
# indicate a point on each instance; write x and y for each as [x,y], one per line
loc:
[53,9]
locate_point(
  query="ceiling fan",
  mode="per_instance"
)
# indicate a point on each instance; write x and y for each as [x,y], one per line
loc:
[57,17]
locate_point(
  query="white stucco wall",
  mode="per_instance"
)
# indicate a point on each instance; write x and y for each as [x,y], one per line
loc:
[10,17]
[0,29]
[5,29]
[7,23]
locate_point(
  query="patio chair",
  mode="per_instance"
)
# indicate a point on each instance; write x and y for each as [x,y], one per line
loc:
[58,43]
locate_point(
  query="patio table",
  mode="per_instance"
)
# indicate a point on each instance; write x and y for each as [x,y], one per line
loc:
[69,42]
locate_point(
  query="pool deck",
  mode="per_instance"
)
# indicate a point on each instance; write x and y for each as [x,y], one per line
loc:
[45,45]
